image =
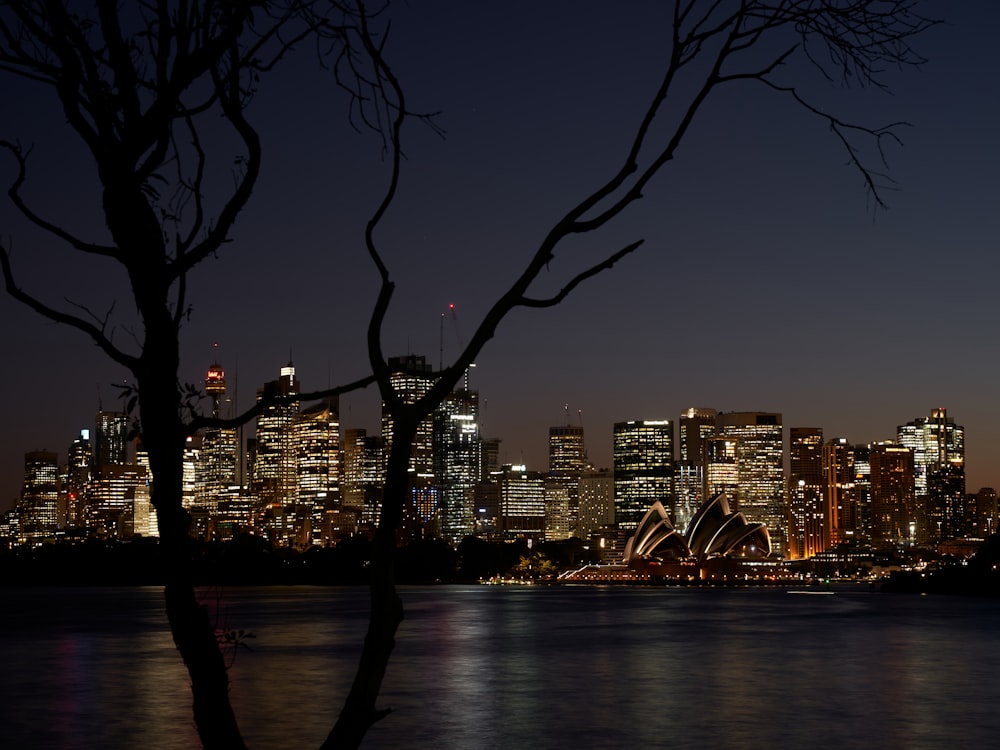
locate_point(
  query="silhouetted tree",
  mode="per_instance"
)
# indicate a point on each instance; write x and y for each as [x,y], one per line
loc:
[142,85]
[134,81]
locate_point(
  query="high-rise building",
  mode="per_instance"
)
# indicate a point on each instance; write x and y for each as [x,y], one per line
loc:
[110,432]
[696,427]
[863,491]
[457,462]
[809,529]
[938,446]
[894,516]
[721,469]
[557,511]
[363,478]
[410,382]
[522,503]
[317,501]
[760,495]
[567,462]
[118,501]
[274,465]
[842,516]
[38,504]
[643,455]
[216,470]
[78,472]
[985,502]
[490,463]
[597,502]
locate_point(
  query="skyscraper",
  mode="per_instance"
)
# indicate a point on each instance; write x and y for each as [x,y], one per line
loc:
[38,504]
[567,463]
[721,468]
[842,513]
[273,470]
[938,446]
[597,502]
[215,471]
[759,461]
[522,503]
[894,516]
[643,455]
[809,530]
[78,473]
[363,477]
[410,382]
[317,442]
[696,427]
[457,462]
[109,444]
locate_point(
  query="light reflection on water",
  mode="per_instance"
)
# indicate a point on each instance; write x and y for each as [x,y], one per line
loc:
[491,667]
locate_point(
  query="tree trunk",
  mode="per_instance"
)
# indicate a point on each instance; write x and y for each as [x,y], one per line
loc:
[386,610]
[190,625]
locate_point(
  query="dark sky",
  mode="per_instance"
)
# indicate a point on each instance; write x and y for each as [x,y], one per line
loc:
[766,281]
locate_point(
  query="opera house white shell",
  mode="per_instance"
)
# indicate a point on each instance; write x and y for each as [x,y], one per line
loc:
[714,531]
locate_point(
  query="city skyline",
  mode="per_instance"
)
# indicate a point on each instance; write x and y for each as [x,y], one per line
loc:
[765,282]
[679,437]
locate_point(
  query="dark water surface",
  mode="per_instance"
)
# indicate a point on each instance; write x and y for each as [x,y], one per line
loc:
[498,667]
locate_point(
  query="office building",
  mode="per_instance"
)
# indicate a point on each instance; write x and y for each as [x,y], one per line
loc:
[842,512]
[410,381]
[643,456]
[457,462]
[893,499]
[809,528]
[759,461]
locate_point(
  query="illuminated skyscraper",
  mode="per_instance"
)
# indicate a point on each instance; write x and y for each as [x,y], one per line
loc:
[938,446]
[215,471]
[696,426]
[721,470]
[317,504]
[597,502]
[109,444]
[759,461]
[522,503]
[273,471]
[457,462]
[643,454]
[557,511]
[77,479]
[118,501]
[841,510]
[809,530]
[894,512]
[38,504]
[567,462]
[410,384]
[361,486]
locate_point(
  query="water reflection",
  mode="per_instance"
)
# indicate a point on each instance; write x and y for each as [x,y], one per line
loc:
[492,667]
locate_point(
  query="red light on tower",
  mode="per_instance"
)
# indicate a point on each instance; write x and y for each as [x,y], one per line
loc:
[215,380]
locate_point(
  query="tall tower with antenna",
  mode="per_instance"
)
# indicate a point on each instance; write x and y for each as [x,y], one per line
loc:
[215,466]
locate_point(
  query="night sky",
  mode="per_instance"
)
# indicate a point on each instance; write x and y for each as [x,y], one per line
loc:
[767,282]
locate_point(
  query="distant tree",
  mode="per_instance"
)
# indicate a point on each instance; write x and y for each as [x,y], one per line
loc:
[135,82]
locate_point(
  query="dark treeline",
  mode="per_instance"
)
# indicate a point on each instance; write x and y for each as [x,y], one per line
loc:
[979,576]
[251,560]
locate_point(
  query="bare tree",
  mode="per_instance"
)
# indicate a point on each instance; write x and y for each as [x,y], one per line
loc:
[140,84]
[133,86]
[712,44]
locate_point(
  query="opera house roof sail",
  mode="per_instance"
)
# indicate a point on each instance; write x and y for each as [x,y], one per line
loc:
[714,531]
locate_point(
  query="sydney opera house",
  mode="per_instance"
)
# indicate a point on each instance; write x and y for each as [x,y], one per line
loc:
[718,543]
[714,531]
